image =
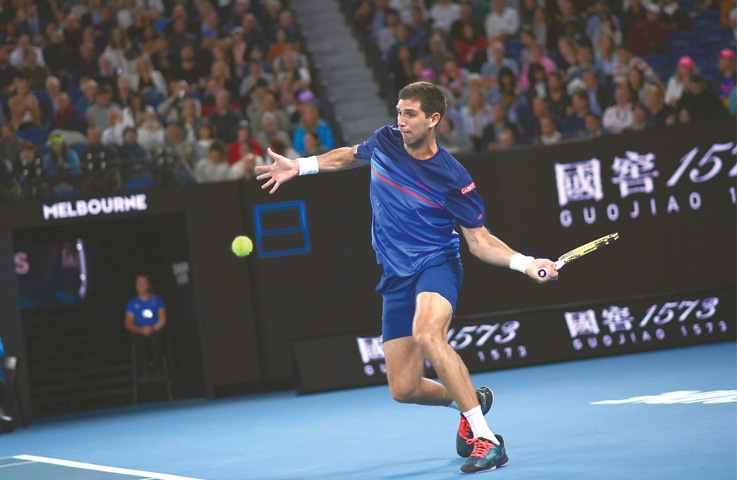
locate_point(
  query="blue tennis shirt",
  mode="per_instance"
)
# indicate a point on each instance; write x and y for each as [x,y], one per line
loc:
[145,313]
[416,203]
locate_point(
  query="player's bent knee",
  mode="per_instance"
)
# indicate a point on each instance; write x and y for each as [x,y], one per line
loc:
[428,341]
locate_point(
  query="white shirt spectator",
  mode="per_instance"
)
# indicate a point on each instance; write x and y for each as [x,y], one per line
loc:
[506,22]
[617,118]
[444,13]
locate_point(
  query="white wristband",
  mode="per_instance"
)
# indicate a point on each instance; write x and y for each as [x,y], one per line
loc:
[308,166]
[520,262]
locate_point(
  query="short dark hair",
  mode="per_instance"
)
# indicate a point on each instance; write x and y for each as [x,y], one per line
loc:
[431,98]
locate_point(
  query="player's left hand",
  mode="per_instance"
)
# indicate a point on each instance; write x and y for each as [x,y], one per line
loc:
[542,263]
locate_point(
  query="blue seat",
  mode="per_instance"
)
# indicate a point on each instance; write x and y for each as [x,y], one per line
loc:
[682,39]
[715,36]
[35,135]
[697,55]
[659,62]
[705,19]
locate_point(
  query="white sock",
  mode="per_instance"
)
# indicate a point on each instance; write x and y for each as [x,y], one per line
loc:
[479,427]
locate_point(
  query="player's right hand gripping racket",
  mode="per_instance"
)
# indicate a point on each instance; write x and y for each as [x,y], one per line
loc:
[579,252]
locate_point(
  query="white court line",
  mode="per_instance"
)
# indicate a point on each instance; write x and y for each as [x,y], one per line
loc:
[101,468]
[14,464]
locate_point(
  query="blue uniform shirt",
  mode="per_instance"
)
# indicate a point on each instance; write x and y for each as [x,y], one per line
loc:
[416,203]
[145,313]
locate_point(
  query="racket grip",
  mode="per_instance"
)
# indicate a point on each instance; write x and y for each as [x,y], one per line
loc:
[542,273]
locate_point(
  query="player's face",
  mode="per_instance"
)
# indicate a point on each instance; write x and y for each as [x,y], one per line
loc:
[142,285]
[413,123]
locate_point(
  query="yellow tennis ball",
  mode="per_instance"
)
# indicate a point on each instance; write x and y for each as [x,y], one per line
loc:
[242,246]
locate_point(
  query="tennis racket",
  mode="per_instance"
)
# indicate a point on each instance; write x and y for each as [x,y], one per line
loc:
[579,252]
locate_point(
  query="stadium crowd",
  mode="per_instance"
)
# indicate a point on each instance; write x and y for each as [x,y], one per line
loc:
[98,95]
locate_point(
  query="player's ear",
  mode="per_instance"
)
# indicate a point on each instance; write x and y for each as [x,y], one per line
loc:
[435,119]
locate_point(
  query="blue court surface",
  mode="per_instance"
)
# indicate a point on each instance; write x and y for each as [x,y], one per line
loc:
[669,414]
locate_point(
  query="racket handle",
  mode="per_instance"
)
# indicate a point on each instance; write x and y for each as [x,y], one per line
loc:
[542,273]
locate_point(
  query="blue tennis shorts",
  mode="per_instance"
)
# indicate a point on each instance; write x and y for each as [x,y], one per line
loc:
[443,276]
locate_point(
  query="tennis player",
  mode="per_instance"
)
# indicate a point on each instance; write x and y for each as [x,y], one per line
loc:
[418,192]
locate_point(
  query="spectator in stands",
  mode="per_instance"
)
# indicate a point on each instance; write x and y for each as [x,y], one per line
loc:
[536,55]
[559,101]
[113,133]
[507,139]
[639,118]
[466,19]
[618,117]
[86,61]
[502,22]
[116,49]
[88,98]
[635,12]
[244,135]
[496,59]
[145,318]
[67,117]
[220,70]
[151,132]
[401,68]
[9,188]
[97,114]
[57,52]
[191,118]
[135,162]
[291,69]
[567,55]
[9,144]
[726,77]
[675,17]
[471,49]
[18,56]
[133,113]
[537,79]
[48,102]
[310,120]
[698,103]
[575,122]
[278,146]
[566,21]
[204,140]
[148,81]
[10,35]
[8,73]
[436,55]
[35,73]
[601,17]
[100,168]
[549,133]
[593,126]
[492,132]
[61,167]
[225,118]
[187,69]
[214,167]
[678,81]
[256,76]
[313,146]
[650,36]
[442,14]
[451,139]
[636,83]
[599,97]
[33,25]
[626,61]
[475,84]
[605,55]
[454,78]
[29,173]
[183,148]
[269,129]
[25,110]
[107,74]
[245,164]
[660,114]
[386,36]
[252,32]
[475,116]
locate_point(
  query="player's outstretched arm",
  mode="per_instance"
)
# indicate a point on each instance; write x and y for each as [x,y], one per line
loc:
[492,250]
[284,169]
